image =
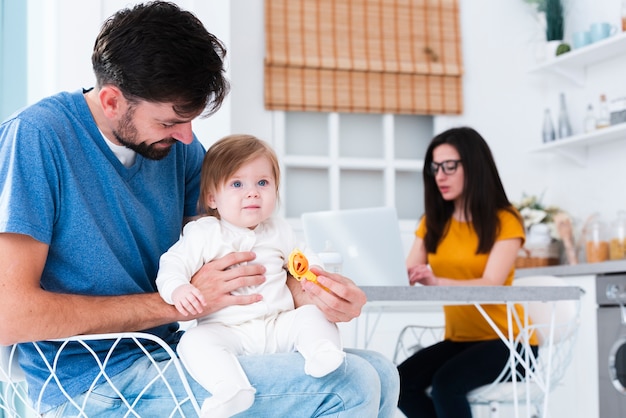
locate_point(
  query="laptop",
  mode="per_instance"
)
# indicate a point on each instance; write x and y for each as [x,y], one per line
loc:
[368,240]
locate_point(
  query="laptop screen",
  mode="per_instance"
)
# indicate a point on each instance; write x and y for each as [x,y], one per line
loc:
[368,240]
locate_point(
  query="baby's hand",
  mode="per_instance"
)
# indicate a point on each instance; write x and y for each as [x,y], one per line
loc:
[188,300]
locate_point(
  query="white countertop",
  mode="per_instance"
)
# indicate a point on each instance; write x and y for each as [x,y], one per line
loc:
[606,267]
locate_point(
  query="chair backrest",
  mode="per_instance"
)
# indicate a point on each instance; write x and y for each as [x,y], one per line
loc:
[566,312]
[559,319]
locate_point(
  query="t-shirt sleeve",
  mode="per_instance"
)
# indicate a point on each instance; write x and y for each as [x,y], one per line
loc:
[510,227]
[28,174]
[421,228]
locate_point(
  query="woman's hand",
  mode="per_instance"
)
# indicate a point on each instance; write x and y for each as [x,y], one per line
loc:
[218,278]
[342,302]
[422,274]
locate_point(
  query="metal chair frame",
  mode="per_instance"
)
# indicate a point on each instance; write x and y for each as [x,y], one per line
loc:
[556,326]
[14,399]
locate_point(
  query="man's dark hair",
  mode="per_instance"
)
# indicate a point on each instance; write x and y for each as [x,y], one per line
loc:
[162,54]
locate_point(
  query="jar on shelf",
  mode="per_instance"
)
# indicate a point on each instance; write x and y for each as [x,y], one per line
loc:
[596,240]
[617,247]
[539,250]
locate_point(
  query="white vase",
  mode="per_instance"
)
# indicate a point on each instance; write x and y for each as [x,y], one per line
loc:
[546,50]
[551,47]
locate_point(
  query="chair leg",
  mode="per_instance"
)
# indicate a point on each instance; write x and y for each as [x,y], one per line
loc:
[536,412]
[494,410]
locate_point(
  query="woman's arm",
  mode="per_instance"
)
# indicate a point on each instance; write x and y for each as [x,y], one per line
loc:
[501,259]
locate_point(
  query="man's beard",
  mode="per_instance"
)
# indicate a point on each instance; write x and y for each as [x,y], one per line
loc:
[126,134]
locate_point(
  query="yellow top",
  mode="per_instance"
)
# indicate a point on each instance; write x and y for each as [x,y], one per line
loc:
[456,258]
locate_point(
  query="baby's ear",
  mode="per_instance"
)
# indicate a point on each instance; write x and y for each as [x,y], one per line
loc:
[210,201]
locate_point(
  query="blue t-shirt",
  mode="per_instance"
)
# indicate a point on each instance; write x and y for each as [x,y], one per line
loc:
[106,225]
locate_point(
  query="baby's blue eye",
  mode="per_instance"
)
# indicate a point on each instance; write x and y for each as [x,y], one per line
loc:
[263,182]
[237,184]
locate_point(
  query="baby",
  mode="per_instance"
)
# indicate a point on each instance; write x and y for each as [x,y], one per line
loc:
[239,192]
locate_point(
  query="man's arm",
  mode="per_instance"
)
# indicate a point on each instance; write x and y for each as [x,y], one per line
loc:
[30,313]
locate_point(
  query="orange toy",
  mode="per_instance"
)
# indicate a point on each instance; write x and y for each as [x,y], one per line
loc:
[298,266]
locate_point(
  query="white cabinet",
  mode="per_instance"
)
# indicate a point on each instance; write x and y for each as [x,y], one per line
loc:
[573,66]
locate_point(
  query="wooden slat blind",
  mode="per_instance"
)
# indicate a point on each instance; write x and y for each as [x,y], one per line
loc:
[373,56]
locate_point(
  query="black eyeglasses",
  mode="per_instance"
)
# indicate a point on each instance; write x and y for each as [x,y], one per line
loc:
[448,167]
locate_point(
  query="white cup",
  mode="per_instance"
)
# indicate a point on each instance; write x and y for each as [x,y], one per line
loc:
[601,30]
[580,39]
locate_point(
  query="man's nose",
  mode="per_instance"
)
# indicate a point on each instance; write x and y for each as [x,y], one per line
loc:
[183,133]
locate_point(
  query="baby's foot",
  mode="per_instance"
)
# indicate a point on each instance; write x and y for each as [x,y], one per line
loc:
[324,360]
[227,403]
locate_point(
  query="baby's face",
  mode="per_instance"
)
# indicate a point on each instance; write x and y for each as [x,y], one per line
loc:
[249,196]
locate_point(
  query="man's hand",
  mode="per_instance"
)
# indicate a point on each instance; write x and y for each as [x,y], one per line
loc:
[342,302]
[218,278]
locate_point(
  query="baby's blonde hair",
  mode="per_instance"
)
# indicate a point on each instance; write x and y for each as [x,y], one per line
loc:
[224,158]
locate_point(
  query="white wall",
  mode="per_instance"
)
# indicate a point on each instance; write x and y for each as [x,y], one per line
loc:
[502,99]
[505,102]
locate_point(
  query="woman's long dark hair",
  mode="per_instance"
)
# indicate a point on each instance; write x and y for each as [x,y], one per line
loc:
[483,192]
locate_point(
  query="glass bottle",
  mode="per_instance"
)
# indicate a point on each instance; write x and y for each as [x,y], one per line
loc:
[617,245]
[596,240]
[604,117]
[590,119]
[624,15]
[548,134]
[565,129]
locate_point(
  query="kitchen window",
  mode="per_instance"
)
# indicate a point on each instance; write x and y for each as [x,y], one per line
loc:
[333,161]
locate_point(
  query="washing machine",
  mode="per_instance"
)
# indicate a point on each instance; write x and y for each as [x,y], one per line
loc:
[611,298]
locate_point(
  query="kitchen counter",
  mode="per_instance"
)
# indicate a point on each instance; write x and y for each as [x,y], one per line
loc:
[606,267]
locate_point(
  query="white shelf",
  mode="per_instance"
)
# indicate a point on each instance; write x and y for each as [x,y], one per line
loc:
[575,147]
[573,64]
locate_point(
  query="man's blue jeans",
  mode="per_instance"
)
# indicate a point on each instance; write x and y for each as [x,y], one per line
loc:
[366,385]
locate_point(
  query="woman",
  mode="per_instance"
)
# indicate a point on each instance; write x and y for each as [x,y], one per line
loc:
[469,236]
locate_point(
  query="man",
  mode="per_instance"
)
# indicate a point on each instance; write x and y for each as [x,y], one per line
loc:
[95,185]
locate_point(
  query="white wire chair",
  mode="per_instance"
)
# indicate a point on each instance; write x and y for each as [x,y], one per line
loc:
[15,403]
[556,326]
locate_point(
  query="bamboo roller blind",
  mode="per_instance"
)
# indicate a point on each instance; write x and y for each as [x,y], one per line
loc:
[373,56]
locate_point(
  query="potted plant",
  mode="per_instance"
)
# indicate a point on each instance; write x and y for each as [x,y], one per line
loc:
[554,20]
[550,12]
[542,247]
[551,16]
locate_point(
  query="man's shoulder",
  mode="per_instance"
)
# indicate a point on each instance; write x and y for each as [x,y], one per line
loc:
[52,112]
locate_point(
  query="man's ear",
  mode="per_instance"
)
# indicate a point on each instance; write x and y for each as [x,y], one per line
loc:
[112,101]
